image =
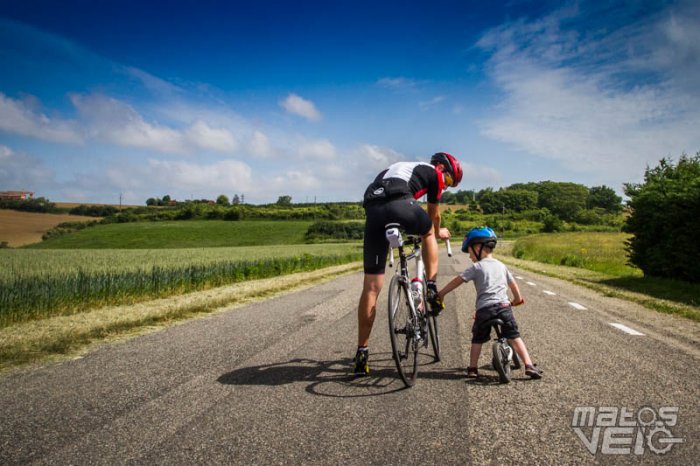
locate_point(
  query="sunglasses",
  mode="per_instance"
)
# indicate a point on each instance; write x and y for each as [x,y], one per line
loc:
[448,179]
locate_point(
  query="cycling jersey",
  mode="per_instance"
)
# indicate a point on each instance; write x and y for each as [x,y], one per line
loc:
[390,199]
[406,179]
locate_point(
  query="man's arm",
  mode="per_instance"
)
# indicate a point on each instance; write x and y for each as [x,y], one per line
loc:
[434,213]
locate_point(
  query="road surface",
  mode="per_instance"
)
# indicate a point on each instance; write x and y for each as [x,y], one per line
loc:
[269,384]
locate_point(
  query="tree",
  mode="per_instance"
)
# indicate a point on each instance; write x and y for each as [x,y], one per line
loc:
[564,200]
[465,197]
[236,200]
[604,198]
[151,201]
[664,220]
[222,200]
[284,200]
[448,198]
[512,200]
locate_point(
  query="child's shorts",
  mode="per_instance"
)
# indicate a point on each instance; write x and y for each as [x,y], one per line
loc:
[482,333]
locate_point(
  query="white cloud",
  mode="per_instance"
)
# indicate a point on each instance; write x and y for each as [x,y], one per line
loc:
[299,106]
[223,176]
[378,158]
[427,104]
[321,149]
[398,83]
[259,145]
[5,152]
[295,181]
[218,139]
[19,171]
[602,104]
[119,123]
[479,175]
[19,117]
[151,82]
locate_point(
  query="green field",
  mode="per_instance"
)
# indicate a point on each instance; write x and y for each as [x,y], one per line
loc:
[605,255]
[181,234]
[40,283]
[33,263]
[127,262]
[600,252]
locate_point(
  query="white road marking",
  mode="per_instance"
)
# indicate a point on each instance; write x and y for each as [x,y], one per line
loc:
[577,306]
[550,293]
[518,277]
[531,284]
[626,329]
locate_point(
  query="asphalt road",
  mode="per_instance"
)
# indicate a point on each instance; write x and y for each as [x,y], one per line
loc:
[269,384]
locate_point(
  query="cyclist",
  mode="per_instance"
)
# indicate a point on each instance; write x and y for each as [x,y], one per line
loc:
[391,198]
[491,279]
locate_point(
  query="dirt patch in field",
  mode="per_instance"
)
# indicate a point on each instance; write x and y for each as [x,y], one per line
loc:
[21,228]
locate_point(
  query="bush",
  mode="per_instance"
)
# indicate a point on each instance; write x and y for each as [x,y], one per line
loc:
[94,210]
[344,231]
[38,204]
[664,220]
[551,224]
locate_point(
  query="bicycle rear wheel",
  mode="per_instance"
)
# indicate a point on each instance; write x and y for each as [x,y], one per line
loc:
[402,331]
[500,360]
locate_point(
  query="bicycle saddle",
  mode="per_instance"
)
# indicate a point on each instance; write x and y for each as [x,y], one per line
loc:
[494,321]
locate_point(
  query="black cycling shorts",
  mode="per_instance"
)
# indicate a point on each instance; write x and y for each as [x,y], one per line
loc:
[482,333]
[404,211]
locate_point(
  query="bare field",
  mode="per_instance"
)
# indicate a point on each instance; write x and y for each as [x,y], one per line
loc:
[21,228]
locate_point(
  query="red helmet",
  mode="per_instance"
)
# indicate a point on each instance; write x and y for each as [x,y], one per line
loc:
[451,165]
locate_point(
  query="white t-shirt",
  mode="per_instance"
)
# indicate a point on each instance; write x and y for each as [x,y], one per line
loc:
[491,278]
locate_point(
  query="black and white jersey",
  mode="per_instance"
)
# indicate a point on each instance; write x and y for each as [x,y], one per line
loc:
[404,179]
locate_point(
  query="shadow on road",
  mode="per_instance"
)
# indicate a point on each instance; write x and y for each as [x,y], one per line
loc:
[334,378]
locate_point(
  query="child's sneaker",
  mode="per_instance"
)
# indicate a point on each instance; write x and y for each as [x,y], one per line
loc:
[533,372]
[361,366]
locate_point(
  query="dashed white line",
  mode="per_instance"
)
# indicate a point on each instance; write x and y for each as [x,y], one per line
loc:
[626,329]
[550,293]
[578,306]
[531,284]
[518,277]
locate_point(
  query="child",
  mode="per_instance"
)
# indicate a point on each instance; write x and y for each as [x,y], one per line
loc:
[491,279]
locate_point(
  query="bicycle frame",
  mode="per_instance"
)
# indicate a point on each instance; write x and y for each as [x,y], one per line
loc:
[417,326]
[393,234]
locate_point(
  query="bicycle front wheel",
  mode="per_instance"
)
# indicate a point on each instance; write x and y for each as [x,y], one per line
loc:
[434,336]
[402,331]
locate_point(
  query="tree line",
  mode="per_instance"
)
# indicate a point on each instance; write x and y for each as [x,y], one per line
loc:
[563,199]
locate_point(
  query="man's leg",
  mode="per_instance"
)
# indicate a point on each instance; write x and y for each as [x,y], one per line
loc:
[367,309]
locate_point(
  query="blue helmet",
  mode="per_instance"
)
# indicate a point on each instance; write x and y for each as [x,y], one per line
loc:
[480,235]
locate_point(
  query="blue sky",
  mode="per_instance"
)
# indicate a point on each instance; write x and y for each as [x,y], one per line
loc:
[313,98]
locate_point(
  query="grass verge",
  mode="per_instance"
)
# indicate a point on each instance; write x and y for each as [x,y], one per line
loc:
[667,296]
[63,337]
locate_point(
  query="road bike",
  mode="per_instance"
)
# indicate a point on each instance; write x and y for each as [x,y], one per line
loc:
[504,358]
[411,325]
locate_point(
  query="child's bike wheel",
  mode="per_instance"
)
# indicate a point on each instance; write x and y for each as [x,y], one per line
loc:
[501,361]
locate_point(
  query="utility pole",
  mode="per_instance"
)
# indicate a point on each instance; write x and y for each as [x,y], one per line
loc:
[120,202]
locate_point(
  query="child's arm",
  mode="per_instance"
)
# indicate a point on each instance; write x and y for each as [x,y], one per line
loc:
[517,297]
[454,283]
